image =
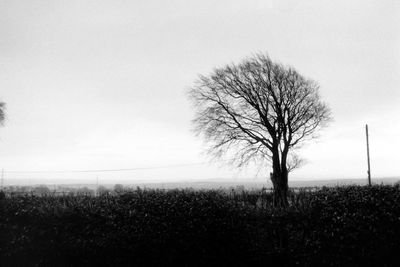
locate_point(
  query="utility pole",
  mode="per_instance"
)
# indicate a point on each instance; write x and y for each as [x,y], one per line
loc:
[369,166]
[97,186]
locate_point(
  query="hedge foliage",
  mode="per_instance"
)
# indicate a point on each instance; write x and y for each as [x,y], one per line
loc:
[342,226]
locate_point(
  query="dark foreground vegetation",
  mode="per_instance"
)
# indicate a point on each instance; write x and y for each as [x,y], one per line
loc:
[341,226]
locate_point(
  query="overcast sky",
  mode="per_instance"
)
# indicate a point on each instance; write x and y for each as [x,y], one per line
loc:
[101,84]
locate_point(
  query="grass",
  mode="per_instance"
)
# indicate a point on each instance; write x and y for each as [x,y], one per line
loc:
[339,226]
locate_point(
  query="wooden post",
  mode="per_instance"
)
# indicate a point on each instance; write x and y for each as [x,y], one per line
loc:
[97,186]
[369,166]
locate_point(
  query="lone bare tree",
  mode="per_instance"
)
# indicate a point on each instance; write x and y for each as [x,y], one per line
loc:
[2,112]
[259,110]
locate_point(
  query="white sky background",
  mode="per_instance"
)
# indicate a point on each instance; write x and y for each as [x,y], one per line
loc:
[101,84]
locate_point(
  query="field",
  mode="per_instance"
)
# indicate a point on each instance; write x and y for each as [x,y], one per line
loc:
[341,226]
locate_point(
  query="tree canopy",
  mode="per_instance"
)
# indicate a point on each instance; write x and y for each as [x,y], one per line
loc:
[259,109]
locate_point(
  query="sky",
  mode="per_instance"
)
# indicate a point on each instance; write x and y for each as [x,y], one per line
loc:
[102,84]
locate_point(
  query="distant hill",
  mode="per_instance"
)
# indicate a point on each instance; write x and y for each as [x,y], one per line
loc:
[341,182]
[255,185]
[212,184]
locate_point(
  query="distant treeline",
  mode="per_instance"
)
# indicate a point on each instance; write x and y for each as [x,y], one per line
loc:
[45,190]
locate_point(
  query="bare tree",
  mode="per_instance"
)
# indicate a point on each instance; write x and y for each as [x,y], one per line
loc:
[260,110]
[2,112]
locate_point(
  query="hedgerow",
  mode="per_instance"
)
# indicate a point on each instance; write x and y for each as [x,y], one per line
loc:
[339,226]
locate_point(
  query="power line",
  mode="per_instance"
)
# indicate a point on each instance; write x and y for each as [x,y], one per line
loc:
[111,170]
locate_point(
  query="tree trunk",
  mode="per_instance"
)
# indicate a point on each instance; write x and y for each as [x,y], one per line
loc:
[279,178]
